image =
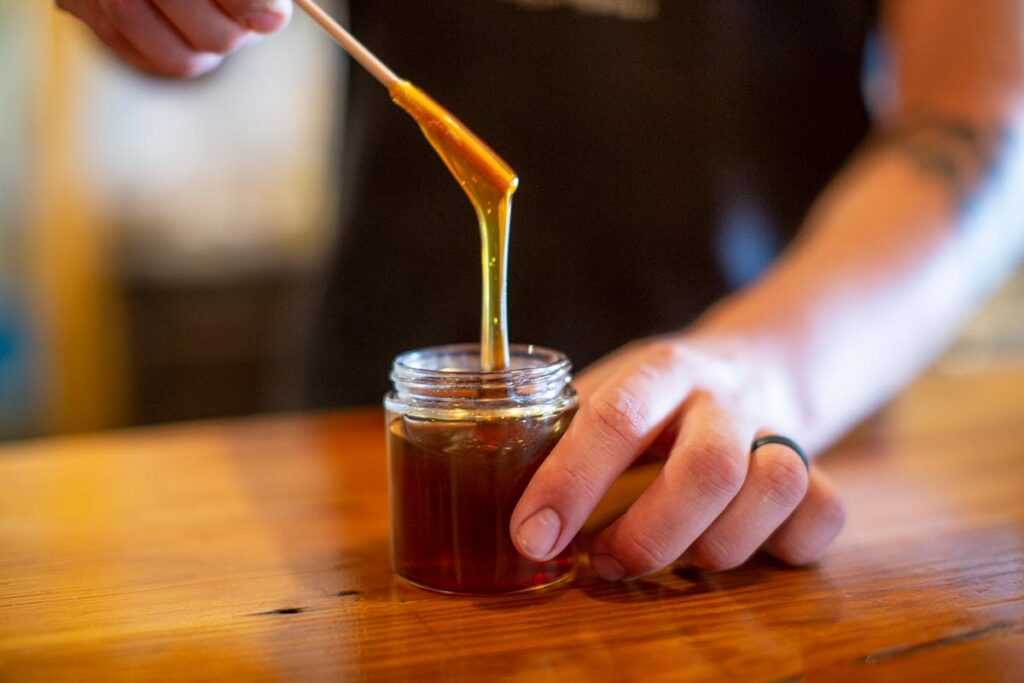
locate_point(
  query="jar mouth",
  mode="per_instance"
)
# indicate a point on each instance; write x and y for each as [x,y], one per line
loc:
[449,378]
[460,363]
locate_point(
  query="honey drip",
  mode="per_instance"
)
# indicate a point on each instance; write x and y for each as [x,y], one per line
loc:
[489,183]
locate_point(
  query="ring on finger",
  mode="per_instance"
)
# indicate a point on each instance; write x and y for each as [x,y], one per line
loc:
[781,441]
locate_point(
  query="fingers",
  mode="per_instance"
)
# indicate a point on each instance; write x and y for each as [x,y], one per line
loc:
[596,374]
[178,38]
[777,481]
[799,513]
[815,524]
[262,16]
[96,18]
[620,420]
[704,472]
[712,499]
[204,25]
[152,36]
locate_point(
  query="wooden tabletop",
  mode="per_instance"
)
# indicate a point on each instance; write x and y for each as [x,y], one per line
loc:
[257,550]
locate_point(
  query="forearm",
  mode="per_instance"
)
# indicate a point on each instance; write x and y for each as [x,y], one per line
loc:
[894,256]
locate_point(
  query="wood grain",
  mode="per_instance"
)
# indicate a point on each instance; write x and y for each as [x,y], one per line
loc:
[258,550]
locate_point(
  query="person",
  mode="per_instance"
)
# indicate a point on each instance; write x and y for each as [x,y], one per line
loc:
[837,184]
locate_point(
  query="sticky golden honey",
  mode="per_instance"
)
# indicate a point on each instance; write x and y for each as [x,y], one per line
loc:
[489,183]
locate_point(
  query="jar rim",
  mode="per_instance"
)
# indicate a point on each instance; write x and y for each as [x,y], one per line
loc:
[444,382]
[542,362]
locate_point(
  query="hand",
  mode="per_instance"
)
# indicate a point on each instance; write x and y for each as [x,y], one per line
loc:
[712,500]
[178,38]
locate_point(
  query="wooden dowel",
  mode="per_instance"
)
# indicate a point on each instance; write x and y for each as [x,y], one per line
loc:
[352,46]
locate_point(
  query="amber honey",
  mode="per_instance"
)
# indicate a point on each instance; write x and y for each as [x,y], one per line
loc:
[462,446]
[489,183]
[455,486]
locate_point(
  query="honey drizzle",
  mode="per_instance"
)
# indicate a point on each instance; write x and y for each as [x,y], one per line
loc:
[489,183]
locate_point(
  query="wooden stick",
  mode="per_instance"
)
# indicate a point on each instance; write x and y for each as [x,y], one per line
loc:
[352,46]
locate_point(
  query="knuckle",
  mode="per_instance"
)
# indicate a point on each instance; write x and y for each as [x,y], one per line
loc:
[713,555]
[578,479]
[667,353]
[718,466]
[620,416]
[641,553]
[785,478]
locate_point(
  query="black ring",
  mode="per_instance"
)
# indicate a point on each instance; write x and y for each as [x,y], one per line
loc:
[781,441]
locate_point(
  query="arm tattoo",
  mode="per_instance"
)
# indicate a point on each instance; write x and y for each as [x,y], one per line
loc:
[960,154]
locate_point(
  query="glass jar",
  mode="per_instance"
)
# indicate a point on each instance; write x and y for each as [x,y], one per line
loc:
[462,446]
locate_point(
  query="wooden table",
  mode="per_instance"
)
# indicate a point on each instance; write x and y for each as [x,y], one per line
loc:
[258,550]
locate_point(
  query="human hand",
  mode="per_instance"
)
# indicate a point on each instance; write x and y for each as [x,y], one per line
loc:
[713,500]
[178,38]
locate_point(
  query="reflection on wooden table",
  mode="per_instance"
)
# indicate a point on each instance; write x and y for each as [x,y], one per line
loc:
[258,550]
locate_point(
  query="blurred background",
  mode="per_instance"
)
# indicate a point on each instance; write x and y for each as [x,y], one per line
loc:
[160,241]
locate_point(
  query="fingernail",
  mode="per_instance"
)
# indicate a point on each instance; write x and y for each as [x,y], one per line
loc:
[607,568]
[268,16]
[537,535]
[202,64]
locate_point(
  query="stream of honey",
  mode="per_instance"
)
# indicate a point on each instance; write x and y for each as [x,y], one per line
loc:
[489,183]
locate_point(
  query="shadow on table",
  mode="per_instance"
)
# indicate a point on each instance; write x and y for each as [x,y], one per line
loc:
[676,583]
[683,582]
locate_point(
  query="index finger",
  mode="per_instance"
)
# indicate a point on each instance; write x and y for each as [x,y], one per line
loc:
[614,426]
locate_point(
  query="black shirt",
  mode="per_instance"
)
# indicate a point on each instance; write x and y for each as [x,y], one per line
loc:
[664,160]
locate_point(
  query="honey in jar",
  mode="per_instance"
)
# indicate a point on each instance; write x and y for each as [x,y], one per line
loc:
[463,444]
